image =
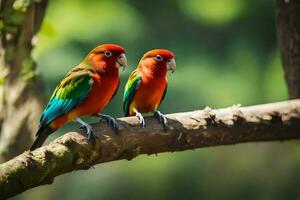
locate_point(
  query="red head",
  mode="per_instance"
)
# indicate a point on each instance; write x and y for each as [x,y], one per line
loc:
[157,62]
[107,57]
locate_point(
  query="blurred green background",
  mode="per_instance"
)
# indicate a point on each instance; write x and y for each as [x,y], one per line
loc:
[226,53]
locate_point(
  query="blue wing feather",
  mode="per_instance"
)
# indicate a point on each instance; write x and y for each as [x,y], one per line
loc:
[66,95]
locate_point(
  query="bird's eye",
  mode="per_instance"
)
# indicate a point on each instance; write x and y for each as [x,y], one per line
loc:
[158,57]
[108,53]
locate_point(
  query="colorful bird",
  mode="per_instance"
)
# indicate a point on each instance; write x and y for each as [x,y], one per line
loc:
[85,90]
[147,85]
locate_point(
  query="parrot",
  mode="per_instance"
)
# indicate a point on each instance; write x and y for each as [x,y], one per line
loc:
[84,91]
[147,85]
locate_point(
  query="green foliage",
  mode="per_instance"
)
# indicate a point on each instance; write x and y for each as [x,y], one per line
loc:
[98,19]
[226,54]
[213,12]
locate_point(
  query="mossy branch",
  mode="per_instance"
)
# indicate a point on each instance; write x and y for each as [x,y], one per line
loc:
[189,130]
[21,101]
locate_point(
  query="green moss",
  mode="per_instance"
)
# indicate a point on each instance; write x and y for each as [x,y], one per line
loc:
[30,76]
[11,29]
[1,25]
[16,18]
[27,70]
[27,65]
[11,20]
[2,75]
[9,53]
[2,80]
[21,5]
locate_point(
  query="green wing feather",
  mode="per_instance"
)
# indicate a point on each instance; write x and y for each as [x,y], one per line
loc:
[71,91]
[131,87]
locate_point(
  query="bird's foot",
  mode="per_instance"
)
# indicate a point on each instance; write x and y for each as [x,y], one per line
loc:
[88,128]
[111,121]
[162,119]
[141,118]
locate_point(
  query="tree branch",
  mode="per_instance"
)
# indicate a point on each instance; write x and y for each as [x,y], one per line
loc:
[288,34]
[189,130]
[20,100]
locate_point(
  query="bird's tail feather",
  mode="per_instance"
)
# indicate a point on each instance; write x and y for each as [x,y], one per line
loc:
[42,135]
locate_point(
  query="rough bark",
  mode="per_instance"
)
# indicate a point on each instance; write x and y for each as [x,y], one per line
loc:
[20,87]
[288,33]
[189,130]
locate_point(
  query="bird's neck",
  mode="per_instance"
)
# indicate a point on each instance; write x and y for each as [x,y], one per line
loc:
[153,71]
[112,71]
